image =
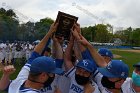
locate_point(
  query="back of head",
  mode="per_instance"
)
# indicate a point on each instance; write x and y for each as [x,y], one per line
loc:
[105,52]
[44,64]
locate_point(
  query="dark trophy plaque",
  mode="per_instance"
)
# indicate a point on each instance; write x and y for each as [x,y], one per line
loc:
[66,22]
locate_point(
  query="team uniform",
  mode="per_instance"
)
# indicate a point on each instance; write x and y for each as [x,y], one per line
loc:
[17,85]
[1,55]
[8,56]
[127,86]
[27,53]
[18,51]
[76,88]
[97,77]
[13,50]
[63,83]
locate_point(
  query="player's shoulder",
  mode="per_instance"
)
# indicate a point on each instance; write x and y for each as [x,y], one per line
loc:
[23,89]
[128,81]
[127,84]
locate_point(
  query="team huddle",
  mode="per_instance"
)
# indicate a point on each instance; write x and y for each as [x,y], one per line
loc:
[76,67]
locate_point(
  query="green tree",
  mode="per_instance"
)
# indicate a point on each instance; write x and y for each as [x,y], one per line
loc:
[42,27]
[102,34]
[136,37]
[8,24]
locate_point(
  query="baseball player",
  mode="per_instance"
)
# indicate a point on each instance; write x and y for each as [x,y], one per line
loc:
[79,75]
[109,78]
[132,85]
[36,74]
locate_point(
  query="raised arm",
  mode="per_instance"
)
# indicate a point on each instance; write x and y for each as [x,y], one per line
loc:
[84,52]
[96,56]
[86,45]
[57,51]
[40,47]
[77,50]
[89,88]
[67,56]
[5,79]
[76,34]
[57,48]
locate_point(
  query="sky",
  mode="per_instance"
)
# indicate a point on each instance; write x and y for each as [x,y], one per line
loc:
[118,13]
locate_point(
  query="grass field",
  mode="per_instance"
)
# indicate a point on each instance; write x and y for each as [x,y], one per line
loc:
[129,58]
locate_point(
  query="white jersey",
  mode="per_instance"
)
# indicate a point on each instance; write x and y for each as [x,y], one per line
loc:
[16,86]
[1,56]
[127,86]
[27,53]
[63,84]
[97,77]
[76,88]
[13,51]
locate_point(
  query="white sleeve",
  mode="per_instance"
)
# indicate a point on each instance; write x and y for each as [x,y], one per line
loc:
[23,74]
[97,77]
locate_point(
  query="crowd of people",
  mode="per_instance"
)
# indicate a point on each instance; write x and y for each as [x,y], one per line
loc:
[75,68]
[10,52]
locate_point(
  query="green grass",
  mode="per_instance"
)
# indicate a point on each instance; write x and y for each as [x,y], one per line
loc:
[129,58]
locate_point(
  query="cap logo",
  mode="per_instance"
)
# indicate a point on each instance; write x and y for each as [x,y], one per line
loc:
[54,61]
[85,63]
[123,73]
[106,53]
[109,66]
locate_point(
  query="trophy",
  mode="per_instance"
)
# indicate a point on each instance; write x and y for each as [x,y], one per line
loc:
[66,22]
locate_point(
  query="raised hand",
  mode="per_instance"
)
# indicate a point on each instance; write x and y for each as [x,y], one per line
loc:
[88,88]
[83,41]
[57,90]
[8,70]
[77,27]
[53,28]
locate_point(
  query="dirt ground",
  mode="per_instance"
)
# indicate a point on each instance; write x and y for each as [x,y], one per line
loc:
[129,50]
[116,56]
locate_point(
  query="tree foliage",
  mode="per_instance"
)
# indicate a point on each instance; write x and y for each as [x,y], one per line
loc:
[11,30]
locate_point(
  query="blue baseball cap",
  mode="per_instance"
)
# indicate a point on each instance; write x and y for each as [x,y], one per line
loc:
[105,52]
[45,64]
[115,69]
[87,65]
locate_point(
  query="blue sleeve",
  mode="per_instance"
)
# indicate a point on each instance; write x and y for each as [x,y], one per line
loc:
[59,63]
[86,55]
[33,56]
